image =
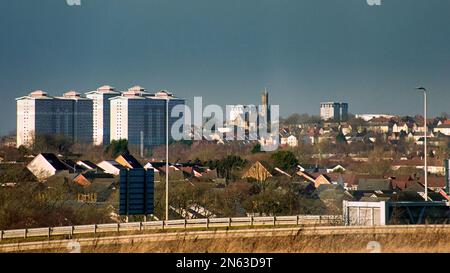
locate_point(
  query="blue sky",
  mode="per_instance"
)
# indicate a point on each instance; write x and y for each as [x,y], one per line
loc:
[303,51]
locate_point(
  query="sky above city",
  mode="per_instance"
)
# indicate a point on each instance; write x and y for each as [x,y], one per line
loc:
[227,51]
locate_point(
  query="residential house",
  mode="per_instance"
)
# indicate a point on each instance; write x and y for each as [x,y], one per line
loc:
[361,136]
[128,161]
[345,128]
[416,191]
[322,179]
[88,165]
[153,166]
[331,137]
[379,125]
[46,165]
[194,171]
[348,181]
[336,168]
[111,167]
[332,196]
[372,185]
[94,186]
[435,182]
[207,173]
[434,166]
[312,168]
[72,166]
[305,176]
[398,127]
[261,171]
[373,190]
[401,182]
[443,128]
[175,173]
[290,141]
[308,139]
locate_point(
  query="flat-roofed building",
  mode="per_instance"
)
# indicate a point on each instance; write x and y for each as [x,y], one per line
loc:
[40,114]
[139,116]
[101,113]
[82,116]
[336,111]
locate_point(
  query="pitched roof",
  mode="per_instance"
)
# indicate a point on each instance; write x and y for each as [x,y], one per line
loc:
[54,161]
[84,163]
[401,181]
[114,164]
[379,120]
[434,181]
[374,185]
[306,175]
[259,170]
[415,187]
[443,126]
[333,192]
[350,179]
[130,160]
[72,165]
[417,161]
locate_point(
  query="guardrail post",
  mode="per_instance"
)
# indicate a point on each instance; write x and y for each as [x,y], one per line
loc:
[229,222]
[72,231]
[140,226]
[251,221]
[49,232]
[95,229]
[320,219]
[274,221]
[207,222]
[162,225]
[118,227]
[185,223]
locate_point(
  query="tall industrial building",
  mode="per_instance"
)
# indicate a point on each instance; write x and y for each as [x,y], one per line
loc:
[40,114]
[101,113]
[335,111]
[239,115]
[139,116]
[264,117]
[344,111]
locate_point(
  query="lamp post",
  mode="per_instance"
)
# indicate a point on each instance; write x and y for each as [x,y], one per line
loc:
[167,158]
[425,167]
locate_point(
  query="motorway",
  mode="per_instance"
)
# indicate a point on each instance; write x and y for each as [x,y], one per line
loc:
[217,234]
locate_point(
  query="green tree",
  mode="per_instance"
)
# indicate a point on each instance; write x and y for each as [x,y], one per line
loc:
[226,166]
[285,160]
[256,149]
[117,147]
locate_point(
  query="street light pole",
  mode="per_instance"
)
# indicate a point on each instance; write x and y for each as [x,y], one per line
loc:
[167,158]
[425,167]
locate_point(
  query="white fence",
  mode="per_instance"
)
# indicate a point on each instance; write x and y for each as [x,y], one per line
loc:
[306,220]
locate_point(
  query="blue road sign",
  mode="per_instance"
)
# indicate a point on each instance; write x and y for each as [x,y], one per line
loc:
[136,192]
